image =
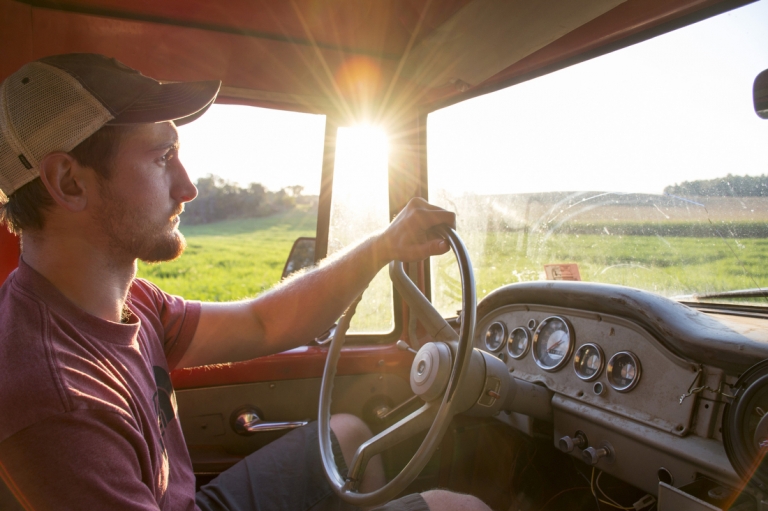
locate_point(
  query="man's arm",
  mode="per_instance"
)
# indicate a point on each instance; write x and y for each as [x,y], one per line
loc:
[304,306]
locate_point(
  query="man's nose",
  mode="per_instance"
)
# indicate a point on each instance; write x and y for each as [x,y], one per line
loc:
[184,190]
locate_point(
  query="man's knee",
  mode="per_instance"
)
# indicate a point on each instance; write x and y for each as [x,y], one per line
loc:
[351,431]
[448,501]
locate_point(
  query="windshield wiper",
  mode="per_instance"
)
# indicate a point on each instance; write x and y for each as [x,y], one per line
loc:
[737,293]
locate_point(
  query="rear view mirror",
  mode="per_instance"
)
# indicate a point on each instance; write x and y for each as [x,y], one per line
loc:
[760,94]
[302,256]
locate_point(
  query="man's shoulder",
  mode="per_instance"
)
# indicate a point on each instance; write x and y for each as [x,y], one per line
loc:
[154,304]
[147,294]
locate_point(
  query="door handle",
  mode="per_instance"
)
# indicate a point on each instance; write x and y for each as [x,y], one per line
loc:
[248,422]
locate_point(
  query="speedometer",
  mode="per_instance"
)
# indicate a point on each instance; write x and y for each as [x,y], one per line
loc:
[553,343]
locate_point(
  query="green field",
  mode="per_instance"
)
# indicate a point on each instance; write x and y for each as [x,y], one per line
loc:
[668,265]
[241,258]
[233,259]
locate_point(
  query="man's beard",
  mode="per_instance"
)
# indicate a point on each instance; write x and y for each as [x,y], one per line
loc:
[135,236]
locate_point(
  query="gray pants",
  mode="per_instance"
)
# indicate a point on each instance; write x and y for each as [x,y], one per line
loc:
[286,475]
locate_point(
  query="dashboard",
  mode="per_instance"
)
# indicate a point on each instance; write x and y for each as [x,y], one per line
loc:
[640,383]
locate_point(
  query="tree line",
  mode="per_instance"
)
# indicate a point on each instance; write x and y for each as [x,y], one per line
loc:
[219,199]
[728,186]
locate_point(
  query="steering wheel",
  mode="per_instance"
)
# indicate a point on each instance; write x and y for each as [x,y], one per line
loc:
[439,375]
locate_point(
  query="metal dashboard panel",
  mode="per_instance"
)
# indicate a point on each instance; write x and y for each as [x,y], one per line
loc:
[664,377]
[640,451]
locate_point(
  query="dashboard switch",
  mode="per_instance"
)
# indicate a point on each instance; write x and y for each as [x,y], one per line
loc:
[592,455]
[567,443]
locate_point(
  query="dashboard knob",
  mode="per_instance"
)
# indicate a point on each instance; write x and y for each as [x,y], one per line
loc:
[592,455]
[567,443]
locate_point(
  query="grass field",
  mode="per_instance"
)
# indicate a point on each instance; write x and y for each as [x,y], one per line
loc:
[671,266]
[233,259]
[242,258]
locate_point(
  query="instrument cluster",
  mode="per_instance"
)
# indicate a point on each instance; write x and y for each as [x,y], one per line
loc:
[552,345]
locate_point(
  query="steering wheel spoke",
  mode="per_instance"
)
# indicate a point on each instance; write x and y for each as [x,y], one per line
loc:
[404,429]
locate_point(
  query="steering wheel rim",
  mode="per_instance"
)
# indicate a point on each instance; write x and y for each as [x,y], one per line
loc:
[439,414]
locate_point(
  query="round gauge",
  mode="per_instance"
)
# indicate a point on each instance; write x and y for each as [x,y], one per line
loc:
[518,343]
[495,336]
[623,371]
[552,343]
[745,431]
[588,361]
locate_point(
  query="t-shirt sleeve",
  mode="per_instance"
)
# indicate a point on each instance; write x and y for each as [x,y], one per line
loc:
[84,459]
[178,317]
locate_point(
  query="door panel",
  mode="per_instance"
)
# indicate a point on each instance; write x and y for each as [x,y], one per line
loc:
[207,414]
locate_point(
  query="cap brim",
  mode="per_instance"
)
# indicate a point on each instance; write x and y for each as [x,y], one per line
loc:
[181,102]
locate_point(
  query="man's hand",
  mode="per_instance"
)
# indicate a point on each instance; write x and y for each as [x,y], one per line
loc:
[408,238]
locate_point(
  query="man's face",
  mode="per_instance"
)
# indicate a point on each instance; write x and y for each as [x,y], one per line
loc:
[141,202]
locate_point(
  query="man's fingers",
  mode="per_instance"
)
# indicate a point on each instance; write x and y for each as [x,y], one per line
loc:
[425,250]
[443,217]
[431,214]
[438,216]
[439,247]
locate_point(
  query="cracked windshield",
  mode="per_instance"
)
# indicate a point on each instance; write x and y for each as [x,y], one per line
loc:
[645,167]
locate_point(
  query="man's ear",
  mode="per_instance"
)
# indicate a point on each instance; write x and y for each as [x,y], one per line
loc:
[66,180]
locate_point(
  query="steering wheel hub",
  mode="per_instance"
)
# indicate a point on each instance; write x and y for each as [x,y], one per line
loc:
[431,370]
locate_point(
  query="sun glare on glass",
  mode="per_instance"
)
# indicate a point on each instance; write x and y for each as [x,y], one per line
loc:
[362,157]
[359,207]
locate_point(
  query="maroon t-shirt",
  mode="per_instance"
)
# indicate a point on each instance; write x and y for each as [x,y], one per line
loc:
[87,413]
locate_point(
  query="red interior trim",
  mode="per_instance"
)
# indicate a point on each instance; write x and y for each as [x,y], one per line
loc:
[299,363]
[343,25]
[9,253]
[627,19]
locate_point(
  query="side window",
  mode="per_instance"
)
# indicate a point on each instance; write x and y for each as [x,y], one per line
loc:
[359,207]
[258,177]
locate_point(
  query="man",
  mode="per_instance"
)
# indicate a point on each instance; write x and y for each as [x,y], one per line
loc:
[89,162]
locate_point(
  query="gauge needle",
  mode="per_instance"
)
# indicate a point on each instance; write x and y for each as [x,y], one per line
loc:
[551,349]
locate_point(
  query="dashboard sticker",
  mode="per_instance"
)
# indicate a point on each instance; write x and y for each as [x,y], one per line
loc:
[568,271]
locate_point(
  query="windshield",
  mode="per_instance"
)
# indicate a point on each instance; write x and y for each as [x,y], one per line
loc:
[645,167]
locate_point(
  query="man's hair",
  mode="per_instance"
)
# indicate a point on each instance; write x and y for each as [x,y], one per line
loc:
[26,207]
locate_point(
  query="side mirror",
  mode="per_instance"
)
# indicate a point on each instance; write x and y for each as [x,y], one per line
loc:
[760,94]
[302,256]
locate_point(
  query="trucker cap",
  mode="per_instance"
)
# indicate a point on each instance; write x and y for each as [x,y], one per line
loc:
[56,102]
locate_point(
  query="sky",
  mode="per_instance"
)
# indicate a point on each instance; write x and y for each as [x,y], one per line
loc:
[246,145]
[677,107]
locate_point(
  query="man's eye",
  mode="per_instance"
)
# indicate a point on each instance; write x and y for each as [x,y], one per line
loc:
[167,157]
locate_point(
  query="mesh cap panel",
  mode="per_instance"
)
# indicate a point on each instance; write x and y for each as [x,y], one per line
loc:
[42,109]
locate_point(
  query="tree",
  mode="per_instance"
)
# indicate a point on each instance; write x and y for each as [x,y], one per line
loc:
[728,186]
[219,199]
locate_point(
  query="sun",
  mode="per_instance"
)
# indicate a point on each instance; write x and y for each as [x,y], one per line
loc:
[360,177]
